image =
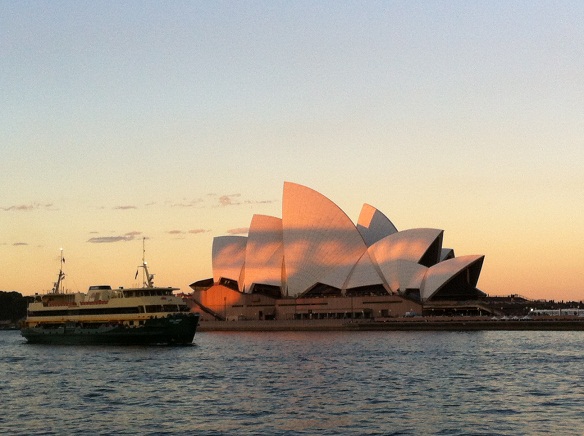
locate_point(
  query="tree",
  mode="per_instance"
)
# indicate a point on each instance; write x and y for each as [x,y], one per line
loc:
[12,306]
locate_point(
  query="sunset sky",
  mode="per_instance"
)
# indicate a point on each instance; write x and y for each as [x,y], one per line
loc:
[177,121]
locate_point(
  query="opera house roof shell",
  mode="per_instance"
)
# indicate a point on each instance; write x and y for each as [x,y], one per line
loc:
[316,250]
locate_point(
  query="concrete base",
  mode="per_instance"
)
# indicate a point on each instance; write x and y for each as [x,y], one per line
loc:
[399,324]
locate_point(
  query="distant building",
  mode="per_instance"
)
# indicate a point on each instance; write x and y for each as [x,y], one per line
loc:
[314,262]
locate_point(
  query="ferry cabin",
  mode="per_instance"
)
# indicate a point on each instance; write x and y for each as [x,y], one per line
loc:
[102,304]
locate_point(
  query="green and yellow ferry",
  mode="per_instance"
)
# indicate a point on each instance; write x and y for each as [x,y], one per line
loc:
[145,315]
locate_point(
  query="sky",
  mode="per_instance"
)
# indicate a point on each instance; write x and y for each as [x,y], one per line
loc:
[178,121]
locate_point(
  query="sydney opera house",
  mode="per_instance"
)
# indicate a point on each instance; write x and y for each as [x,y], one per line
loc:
[316,263]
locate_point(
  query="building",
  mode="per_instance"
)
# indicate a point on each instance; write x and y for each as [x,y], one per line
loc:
[314,262]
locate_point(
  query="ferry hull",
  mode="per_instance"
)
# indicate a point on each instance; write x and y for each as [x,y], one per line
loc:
[176,329]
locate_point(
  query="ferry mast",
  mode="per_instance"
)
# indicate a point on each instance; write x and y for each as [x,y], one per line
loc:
[57,284]
[147,278]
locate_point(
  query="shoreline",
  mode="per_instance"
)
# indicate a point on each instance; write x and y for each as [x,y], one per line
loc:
[402,324]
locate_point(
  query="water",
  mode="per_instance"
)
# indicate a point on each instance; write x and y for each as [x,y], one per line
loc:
[310,383]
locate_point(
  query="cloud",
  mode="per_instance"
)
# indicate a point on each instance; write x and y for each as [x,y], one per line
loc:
[228,200]
[109,239]
[20,207]
[197,231]
[27,207]
[238,231]
[16,244]
[125,207]
[216,200]
[192,232]
[260,201]
[190,203]
[234,200]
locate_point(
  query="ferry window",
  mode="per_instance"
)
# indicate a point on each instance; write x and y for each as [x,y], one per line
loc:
[153,308]
[170,308]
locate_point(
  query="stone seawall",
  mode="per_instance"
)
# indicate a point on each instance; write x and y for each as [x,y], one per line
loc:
[401,324]
[258,326]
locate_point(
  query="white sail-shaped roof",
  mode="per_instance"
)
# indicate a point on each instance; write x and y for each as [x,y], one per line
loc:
[374,225]
[403,274]
[264,252]
[228,257]
[439,275]
[413,245]
[320,241]
[365,273]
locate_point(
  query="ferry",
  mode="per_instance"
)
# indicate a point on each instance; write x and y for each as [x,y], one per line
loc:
[146,315]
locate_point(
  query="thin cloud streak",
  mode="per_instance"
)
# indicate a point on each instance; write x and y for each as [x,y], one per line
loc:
[228,200]
[191,232]
[238,231]
[27,207]
[212,200]
[192,203]
[109,239]
[130,236]
[260,201]
[233,200]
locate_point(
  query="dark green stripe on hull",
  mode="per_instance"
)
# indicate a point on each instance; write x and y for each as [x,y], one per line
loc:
[176,329]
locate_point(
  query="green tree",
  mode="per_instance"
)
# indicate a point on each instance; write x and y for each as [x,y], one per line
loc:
[12,306]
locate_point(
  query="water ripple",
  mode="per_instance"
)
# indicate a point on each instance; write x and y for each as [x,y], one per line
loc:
[299,383]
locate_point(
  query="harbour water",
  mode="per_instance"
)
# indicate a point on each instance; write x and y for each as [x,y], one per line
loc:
[293,383]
